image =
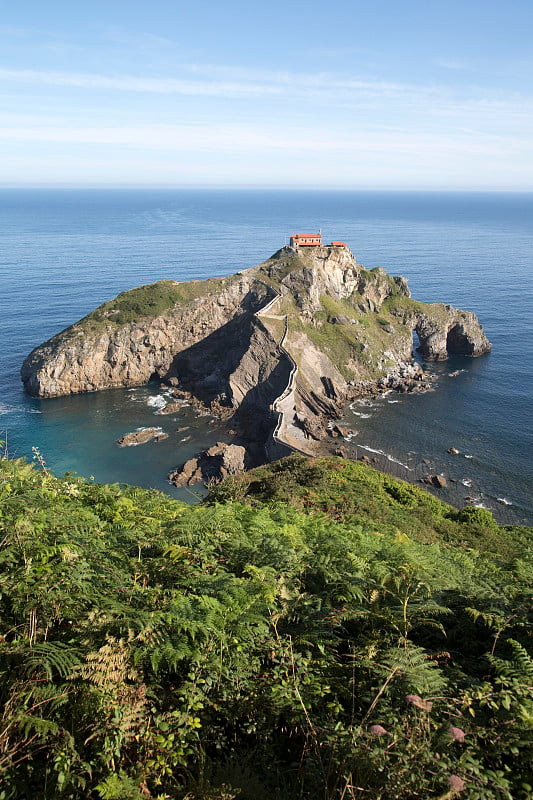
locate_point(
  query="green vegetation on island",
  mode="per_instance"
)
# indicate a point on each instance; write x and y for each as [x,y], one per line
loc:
[148,302]
[314,629]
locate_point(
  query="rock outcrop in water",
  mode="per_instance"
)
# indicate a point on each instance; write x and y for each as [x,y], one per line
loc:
[214,464]
[142,436]
[278,346]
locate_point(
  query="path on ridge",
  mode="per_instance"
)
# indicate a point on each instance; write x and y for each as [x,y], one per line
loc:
[286,433]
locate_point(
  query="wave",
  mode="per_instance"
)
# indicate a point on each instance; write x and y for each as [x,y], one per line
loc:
[17,410]
[387,456]
[156,401]
[503,501]
[362,402]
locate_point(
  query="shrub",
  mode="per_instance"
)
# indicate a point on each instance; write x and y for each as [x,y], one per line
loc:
[151,648]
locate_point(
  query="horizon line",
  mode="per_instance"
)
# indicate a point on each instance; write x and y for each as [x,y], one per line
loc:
[263,187]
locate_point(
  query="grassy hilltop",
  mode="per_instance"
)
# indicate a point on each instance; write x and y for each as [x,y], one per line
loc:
[314,629]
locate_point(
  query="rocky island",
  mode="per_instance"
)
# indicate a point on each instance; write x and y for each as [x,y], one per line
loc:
[277,349]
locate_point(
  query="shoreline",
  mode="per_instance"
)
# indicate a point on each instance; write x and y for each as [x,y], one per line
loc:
[417,466]
[411,466]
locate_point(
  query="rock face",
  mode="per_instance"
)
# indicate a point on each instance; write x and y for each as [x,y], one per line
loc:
[449,331]
[294,336]
[405,378]
[214,464]
[95,354]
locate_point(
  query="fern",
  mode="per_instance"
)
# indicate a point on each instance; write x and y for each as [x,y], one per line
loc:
[519,669]
[53,658]
[119,787]
[412,671]
[141,637]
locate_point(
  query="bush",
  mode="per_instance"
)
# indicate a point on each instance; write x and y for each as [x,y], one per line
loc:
[150,648]
[479,517]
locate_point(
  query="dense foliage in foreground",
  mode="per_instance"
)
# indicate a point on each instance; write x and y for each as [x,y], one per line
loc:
[315,630]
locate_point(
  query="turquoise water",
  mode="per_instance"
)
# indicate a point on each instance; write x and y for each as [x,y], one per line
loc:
[62,252]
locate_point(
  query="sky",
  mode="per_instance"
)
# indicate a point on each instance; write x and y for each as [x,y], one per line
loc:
[380,94]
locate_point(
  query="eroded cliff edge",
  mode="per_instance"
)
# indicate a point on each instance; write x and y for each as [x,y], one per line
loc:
[315,326]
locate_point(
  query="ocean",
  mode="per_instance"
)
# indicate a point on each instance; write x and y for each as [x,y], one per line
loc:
[65,251]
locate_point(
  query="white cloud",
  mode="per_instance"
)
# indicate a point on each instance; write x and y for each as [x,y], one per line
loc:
[341,95]
[131,83]
[226,81]
[288,140]
[339,128]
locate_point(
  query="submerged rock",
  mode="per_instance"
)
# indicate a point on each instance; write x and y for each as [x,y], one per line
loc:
[142,436]
[170,408]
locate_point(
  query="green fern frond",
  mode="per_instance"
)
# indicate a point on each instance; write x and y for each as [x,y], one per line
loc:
[33,725]
[119,787]
[519,668]
[52,657]
[413,671]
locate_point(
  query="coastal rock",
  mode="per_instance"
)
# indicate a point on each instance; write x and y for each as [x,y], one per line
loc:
[439,481]
[170,408]
[405,377]
[311,427]
[102,351]
[142,436]
[448,331]
[339,430]
[213,464]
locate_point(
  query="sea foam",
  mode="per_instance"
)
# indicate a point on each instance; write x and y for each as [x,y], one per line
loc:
[387,456]
[156,401]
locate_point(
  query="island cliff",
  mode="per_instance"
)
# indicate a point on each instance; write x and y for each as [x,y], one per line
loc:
[278,347]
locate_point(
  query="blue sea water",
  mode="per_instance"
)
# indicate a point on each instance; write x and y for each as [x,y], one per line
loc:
[63,252]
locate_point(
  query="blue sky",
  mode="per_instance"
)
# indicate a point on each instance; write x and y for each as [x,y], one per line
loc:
[386,94]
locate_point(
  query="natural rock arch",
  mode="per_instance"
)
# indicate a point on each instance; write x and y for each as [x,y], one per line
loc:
[458,342]
[449,331]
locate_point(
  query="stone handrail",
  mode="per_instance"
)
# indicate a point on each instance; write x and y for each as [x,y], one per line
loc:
[292,375]
[286,392]
[290,384]
[270,303]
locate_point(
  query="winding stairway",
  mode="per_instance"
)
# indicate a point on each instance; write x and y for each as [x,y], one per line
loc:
[285,434]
